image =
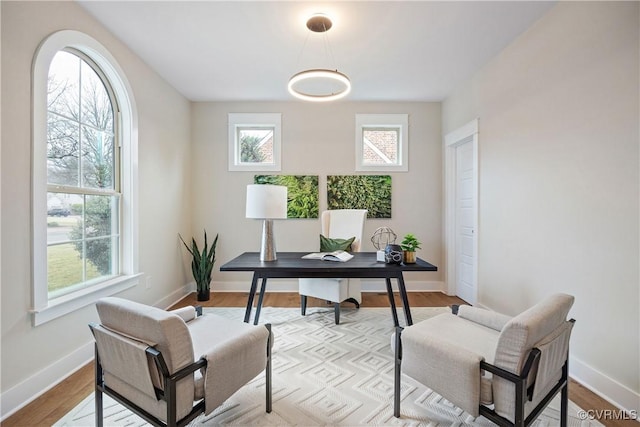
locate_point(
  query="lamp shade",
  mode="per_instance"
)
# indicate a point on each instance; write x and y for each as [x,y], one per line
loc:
[266,201]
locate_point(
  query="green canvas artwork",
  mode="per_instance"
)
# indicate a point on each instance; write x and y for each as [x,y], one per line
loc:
[302,193]
[371,192]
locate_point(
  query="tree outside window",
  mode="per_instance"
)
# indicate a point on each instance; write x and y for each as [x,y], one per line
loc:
[82,176]
[256,145]
[254,141]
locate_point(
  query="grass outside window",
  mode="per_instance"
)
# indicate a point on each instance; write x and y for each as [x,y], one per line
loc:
[65,267]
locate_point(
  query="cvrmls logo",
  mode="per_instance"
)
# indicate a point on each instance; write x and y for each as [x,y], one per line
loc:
[607,414]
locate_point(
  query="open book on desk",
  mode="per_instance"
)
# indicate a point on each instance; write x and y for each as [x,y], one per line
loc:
[340,256]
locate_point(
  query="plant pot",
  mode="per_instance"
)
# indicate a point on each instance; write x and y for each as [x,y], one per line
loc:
[409,257]
[204,294]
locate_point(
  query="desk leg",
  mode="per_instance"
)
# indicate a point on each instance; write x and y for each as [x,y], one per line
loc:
[405,300]
[392,302]
[260,299]
[252,292]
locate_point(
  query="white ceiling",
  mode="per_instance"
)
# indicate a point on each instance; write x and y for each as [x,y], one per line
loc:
[240,50]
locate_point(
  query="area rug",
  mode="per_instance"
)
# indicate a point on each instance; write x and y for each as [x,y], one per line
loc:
[326,375]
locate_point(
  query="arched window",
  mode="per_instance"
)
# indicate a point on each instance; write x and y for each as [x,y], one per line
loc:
[84,139]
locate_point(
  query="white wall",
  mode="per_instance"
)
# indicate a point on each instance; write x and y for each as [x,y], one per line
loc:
[35,357]
[559,181]
[317,139]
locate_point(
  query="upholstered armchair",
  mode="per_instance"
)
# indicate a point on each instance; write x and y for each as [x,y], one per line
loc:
[168,367]
[337,224]
[506,369]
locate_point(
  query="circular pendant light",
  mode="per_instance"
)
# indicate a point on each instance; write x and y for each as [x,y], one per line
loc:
[319,84]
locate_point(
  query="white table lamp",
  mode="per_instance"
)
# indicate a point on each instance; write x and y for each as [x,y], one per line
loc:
[267,202]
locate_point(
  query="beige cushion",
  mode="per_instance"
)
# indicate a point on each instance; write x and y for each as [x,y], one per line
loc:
[236,352]
[186,313]
[486,389]
[444,352]
[124,358]
[518,337]
[488,318]
[553,354]
[171,337]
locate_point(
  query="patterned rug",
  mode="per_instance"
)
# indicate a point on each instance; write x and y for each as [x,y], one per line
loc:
[326,375]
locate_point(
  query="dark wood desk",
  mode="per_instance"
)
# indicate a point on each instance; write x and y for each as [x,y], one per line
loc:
[291,265]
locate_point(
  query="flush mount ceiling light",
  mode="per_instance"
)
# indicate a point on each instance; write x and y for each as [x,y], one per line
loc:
[319,84]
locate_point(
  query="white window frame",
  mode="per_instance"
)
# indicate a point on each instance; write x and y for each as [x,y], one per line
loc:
[247,120]
[42,309]
[398,122]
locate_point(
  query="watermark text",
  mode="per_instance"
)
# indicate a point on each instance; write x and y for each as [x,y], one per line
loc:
[607,414]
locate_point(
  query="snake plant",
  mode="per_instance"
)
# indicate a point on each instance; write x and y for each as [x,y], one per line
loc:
[202,264]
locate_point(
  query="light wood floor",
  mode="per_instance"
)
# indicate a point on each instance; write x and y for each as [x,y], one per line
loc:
[55,403]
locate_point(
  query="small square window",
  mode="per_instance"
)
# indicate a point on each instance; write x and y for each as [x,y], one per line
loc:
[254,141]
[380,146]
[381,142]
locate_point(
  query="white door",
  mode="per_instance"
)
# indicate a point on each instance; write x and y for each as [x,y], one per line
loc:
[461,211]
[465,227]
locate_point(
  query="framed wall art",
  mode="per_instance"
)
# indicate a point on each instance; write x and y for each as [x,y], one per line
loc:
[371,192]
[302,193]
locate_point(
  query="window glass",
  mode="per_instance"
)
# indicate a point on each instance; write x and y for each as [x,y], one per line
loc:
[256,144]
[63,92]
[63,161]
[254,141]
[382,142]
[82,197]
[380,146]
[97,110]
[97,158]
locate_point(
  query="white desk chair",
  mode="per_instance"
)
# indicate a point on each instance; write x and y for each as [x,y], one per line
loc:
[342,224]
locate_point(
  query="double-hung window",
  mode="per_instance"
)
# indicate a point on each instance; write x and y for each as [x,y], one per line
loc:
[83,177]
[83,167]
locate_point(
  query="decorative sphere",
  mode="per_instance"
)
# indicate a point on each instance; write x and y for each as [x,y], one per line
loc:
[382,237]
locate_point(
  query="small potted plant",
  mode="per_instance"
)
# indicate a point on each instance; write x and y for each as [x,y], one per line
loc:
[409,245]
[202,265]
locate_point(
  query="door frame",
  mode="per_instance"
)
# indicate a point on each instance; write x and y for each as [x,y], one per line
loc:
[464,134]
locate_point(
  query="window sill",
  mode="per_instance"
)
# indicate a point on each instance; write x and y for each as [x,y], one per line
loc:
[72,302]
[382,168]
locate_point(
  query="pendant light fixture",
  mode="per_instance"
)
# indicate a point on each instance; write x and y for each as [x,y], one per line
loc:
[319,84]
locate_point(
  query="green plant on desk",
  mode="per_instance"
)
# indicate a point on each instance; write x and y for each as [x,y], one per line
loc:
[409,245]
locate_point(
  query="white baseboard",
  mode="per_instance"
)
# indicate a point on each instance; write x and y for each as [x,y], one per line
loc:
[291,285]
[609,389]
[176,296]
[372,285]
[37,384]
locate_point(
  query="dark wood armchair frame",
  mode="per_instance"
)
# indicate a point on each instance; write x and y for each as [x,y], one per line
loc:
[168,392]
[522,391]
